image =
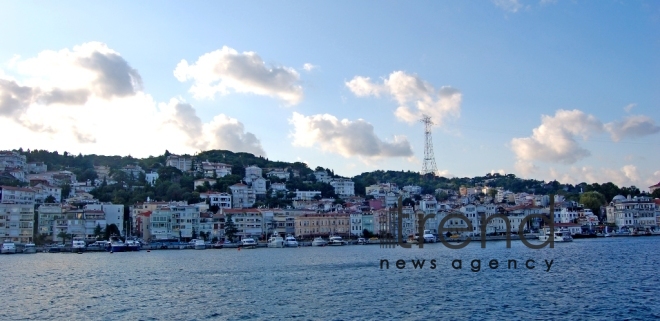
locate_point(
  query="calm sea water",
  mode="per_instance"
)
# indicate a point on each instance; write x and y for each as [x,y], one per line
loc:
[603,279]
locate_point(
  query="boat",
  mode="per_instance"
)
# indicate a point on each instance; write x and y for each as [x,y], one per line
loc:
[248,243]
[559,236]
[275,240]
[132,245]
[361,241]
[8,247]
[200,245]
[29,248]
[290,241]
[429,237]
[115,244]
[336,241]
[319,241]
[373,240]
[78,244]
[607,234]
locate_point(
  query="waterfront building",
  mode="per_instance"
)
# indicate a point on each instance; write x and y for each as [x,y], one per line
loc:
[311,225]
[248,221]
[114,214]
[637,212]
[17,221]
[356,224]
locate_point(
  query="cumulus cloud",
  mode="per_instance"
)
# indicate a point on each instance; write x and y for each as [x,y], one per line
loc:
[89,100]
[66,77]
[555,139]
[345,137]
[625,176]
[414,96]
[309,67]
[632,127]
[226,69]
[629,107]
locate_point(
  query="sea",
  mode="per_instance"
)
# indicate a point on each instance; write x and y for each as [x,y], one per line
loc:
[587,279]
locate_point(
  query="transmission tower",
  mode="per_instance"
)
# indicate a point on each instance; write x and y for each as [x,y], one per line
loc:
[429,166]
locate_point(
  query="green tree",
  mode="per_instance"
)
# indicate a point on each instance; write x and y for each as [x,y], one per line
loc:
[98,231]
[64,236]
[656,193]
[110,230]
[593,201]
[50,199]
[66,190]
[193,234]
[230,228]
[367,234]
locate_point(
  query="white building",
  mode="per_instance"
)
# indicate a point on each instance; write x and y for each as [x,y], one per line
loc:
[211,169]
[132,170]
[42,191]
[36,167]
[279,173]
[252,172]
[151,178]
[11,159]
[17,222]
[248,222]
[222,200]
[343,187]
[412,189]
[278,187]
[356,224]
[114,214]
[306,195]
[16,195]
[242,196]
[258,185]
[46,214]
[183,163]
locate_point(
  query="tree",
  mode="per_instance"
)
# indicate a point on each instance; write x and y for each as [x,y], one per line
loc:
[111,230]
[50,199]
[593,201]
[194,233]
[63,235]
[367,234]
[66,190]
[98,231]
[656,193]
[230,228]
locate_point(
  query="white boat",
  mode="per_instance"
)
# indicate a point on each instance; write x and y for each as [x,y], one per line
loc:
[361,241]
[429,237]
[290,241]
[29,248]
[248,243]
[200,245]
[8,247]
[336,241]
[275,240]
[78,244]
[319,241]
[559,236]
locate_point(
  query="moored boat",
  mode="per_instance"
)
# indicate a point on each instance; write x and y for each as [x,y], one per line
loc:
[78,244]
[29,248]
[290,241]
[115,244]
[248,243]
[319,241]
[558,236]
[275,241]
[8,247]
[200,245]
[336,240]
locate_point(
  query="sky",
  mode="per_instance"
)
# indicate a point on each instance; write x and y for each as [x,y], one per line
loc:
[565,90]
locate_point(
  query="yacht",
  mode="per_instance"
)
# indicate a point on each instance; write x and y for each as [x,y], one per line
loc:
[319,241]
[290,241]
[115,244]
[200,245]
[132,245]
[78,244]
[248,243]
[29,248]
[8,247]
[429,237]
[559,236]
[336,241]
[275,240]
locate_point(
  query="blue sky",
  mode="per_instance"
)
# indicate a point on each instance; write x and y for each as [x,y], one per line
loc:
[563,90]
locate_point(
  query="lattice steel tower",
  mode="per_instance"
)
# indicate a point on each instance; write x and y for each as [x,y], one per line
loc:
[429,166]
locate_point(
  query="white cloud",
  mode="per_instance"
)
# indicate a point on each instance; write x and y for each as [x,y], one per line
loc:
[309,67]
[525,168]
[508,5]
[226,69]
[627,175]
[414,96]
[345,137]
[89,100]
[554,140]
[629,107]
[632,127]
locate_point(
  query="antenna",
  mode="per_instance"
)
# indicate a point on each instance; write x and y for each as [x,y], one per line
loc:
[429,166]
